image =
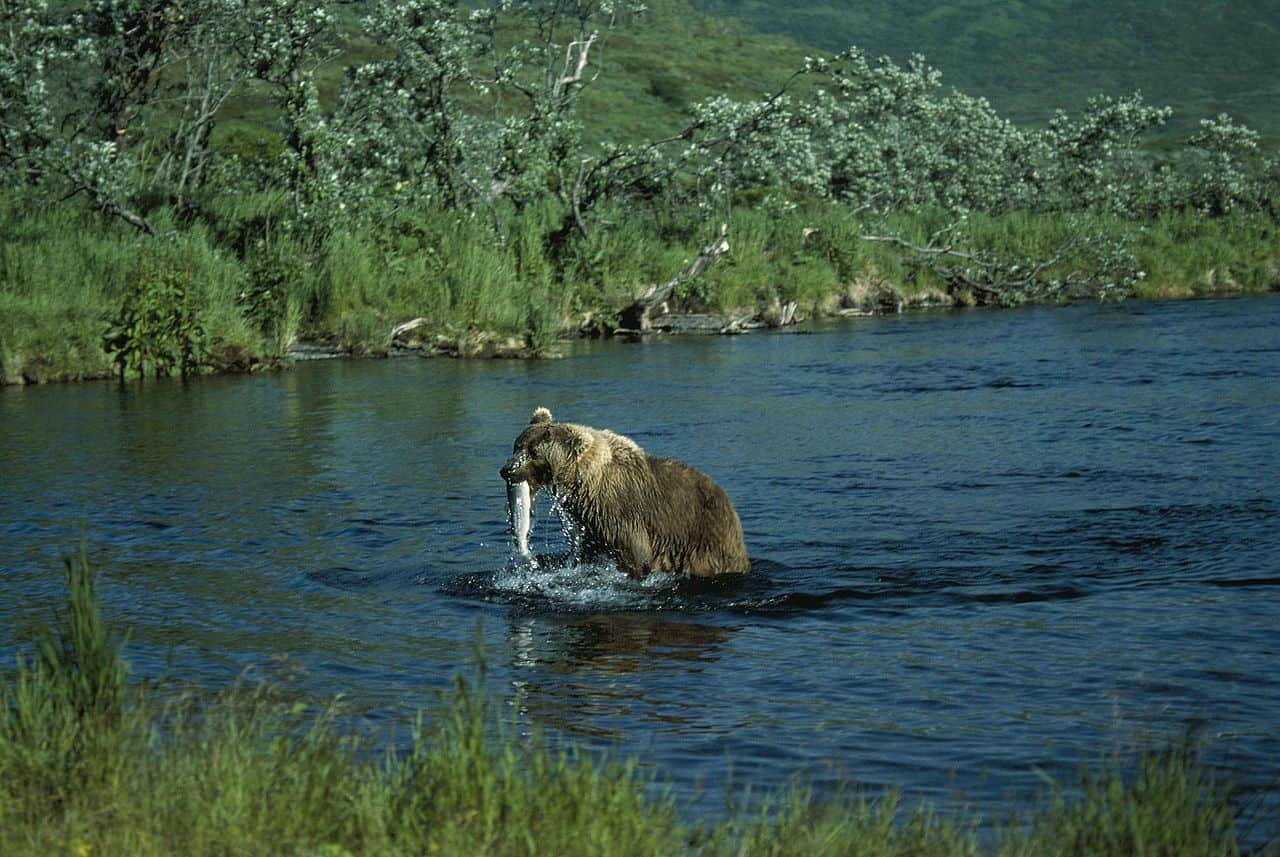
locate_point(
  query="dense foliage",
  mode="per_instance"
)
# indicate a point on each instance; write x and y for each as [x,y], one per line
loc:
[436,159]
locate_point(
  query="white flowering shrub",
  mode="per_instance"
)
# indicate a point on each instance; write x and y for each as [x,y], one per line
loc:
[475,110]
[398,122]
[1226,163]
[1093,161]
[32,44]
[112,99]
[893,143]
[882,137]
[284,43]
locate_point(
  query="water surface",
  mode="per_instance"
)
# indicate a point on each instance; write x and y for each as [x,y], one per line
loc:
[986,543]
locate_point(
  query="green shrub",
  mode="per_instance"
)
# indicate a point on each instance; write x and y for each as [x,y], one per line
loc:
[157,326]
[668,87]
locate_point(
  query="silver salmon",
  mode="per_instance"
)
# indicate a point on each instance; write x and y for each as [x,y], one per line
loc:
[519,514]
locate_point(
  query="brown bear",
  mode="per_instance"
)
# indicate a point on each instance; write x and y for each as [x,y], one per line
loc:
[646,514]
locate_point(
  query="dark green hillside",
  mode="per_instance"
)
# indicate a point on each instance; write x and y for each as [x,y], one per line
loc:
[1029,57]
[647,73]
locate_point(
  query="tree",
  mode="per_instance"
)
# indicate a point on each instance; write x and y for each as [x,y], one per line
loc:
[403,121]
[51,136]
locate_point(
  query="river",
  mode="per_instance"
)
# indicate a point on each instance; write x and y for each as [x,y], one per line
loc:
[984,543]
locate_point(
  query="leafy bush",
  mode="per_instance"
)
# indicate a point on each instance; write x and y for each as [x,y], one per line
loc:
[157,328]
[274,300]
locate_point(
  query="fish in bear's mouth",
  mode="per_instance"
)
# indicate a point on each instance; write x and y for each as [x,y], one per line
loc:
[520,514]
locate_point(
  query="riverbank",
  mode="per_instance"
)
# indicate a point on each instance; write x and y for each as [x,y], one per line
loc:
[82,298]
[91,764]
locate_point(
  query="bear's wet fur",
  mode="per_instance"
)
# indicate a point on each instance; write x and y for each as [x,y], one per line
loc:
[645,513]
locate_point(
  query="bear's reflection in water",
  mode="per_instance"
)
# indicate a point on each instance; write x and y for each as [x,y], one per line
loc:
[571,672]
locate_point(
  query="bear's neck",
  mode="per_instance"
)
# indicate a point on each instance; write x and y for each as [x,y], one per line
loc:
[609,468]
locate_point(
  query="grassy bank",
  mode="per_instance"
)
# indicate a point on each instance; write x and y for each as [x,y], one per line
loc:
[90,764]
[326,171]
[233,290]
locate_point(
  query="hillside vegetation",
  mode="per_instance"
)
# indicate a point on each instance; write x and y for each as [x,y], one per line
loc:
[1032,57]
[196,186]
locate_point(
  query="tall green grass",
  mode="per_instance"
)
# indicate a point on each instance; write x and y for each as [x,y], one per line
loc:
[90,765]
[65,272]
[256,286]
[1189,256]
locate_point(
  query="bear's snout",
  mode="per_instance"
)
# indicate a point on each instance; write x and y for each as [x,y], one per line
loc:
[511,471]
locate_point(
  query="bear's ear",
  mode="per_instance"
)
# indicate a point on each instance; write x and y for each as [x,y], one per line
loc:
[541,415]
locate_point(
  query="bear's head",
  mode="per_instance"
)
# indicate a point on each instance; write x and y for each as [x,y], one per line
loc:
[547,453]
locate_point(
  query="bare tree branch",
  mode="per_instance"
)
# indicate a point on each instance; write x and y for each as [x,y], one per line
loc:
[137,221]
[636,317]
[995,280]
[567,78]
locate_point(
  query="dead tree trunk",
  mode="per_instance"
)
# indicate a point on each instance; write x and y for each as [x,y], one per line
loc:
[635,318]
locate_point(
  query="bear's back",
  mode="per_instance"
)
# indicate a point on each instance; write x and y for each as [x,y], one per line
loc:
[697,531]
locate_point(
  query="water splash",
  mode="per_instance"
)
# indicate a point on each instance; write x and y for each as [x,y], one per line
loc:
[567,582]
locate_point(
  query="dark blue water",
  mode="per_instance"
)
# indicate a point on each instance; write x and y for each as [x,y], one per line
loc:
[986,543]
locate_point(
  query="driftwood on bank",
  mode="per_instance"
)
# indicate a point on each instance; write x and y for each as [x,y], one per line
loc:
[637,318]
[723,324]
[418,337]
[652,312]
[876,298]
[400,333]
